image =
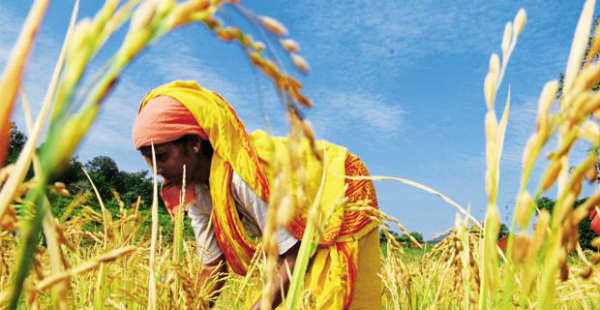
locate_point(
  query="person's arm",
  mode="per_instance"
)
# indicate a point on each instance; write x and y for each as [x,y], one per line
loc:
[282,279]
[287,244]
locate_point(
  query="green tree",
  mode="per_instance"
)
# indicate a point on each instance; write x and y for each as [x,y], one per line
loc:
[17,142]
[107,177]
[73,174]
[134,184]
[416,235]
[105,174]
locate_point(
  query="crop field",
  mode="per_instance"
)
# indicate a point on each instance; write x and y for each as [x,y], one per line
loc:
[62,248]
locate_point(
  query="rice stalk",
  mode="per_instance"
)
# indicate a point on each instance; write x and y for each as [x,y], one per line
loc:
[22,164]
[495,132]
[55,253]
[10,81]
[84,267]
[100,292]
[178,242]
[424,188]
[178,224]
[152,298]
[554,253]
[29,235]
[309,242]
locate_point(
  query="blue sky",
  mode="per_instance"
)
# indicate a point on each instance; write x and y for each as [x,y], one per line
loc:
[399,83]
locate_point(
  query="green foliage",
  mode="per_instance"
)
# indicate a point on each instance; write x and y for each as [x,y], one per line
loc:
[415,254]
[17,141]
[107,177]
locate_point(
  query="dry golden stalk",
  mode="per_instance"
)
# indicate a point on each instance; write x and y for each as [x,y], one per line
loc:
[273,25]
[144,15]
[578,46]
[524,209]
[10,221]
[551,174]
[494,68]
[586,272]
[290,45]
[152,300]
[546,100]
[282,81]
[595,259]
[591,174]
[519,22]
[300,63]
[521,246]
[594,45]
[10,190]
[5,172]
[539,235]
[228,35]
[258,46]
[184,12]
[281,191]
[378,216]
[530,151]
[586,79]
[12,75]
[85,267]
[424,188]
[50,229]
[489,90]
[106,217]
[506,38]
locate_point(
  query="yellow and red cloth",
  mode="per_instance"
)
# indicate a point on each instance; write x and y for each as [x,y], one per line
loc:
[595,221]
[334,267]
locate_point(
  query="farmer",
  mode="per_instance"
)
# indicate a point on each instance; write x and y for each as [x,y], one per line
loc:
[228,188]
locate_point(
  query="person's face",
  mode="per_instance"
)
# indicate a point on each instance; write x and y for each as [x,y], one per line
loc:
[170,159]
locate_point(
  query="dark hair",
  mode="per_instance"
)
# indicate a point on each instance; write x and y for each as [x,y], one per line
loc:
[189,139]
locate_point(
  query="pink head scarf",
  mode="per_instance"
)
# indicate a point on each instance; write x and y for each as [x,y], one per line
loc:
[162,120]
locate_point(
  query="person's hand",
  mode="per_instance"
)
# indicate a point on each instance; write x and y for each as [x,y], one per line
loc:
[282,280]
[210,271]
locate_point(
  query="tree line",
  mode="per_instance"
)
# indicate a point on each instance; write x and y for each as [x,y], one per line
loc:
[113,184]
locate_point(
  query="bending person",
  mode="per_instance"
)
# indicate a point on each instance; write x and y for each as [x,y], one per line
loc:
[228,176]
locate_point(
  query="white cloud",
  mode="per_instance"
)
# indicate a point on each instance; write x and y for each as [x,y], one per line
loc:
[10,30]
[398,28]
[393,34]
[521,125]
[356,108]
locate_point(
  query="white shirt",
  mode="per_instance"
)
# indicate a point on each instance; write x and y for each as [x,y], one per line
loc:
[251,209]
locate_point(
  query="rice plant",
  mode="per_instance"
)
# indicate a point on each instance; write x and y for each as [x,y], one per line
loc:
[122,265]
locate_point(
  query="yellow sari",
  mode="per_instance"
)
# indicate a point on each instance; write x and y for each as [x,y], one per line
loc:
[334,269]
